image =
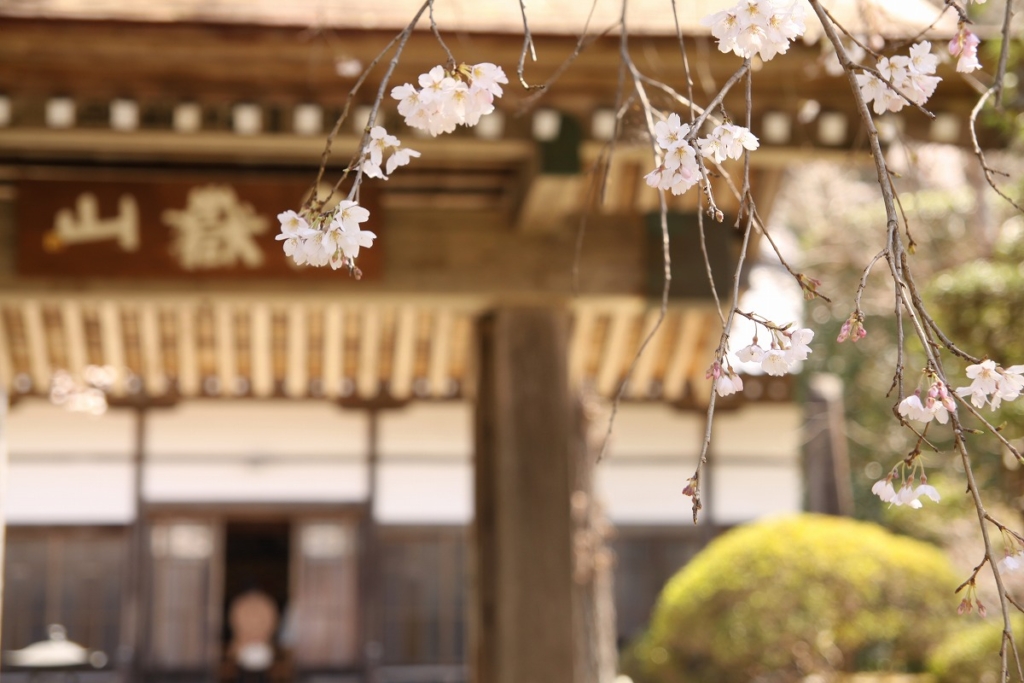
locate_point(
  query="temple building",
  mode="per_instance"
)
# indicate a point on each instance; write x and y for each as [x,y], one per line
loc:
[406,464]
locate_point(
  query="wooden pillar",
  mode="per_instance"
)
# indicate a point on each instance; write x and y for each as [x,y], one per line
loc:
[3,495]
[135,621]
[526,438]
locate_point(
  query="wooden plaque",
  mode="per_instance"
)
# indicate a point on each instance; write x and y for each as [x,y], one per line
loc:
[168,229]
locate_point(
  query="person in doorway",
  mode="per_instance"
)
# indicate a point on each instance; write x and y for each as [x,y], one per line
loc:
[253,617]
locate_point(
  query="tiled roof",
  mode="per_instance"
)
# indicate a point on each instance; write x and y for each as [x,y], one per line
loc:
[905,17]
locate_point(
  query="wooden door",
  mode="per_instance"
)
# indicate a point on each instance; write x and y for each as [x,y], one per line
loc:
[323,615]
[184,596]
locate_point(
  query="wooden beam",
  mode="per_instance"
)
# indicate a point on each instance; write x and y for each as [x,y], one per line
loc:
[691,325]
[609,372]
[368,370]
[579,349]
[550,200]
[224,343]
[262,359]
[188,357]
[112,343]
[74,336]
[36,346]
[6,362]
[296,381]
[439,369]
[643,373]
[149,343]
[404,354]
[705,351]
[334,349]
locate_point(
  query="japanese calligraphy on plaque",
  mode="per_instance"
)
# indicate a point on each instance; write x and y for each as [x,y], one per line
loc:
[163,229]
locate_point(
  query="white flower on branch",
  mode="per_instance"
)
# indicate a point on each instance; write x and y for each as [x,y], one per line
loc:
[775,362]
[728,384]
[446,100]
[337,245]
[788,349]
[727,141]
[992,384]
[751,354]
[382,143]
[757,27]
[908,494]
[350,237]
[294,232]
[679,171]
[908,75]
[936,405]
[964,46]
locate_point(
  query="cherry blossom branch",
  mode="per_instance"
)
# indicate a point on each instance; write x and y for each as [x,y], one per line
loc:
[314,203]
[897,265]
[437,35]
[1004,53]
[988,171]
[991,428]
[584,41]
[641,93]
[693,488]
[686,63]
[862,285]
[528,46]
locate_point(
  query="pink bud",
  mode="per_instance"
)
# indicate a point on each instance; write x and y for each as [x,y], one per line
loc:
[844,332]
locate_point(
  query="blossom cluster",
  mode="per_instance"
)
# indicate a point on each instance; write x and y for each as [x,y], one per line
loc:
[907,494]
[445,99]
[992,384]
[787,349]
[964,46]
[680,171]
[727,382]
[757,27]
[382,143]
[937,404]
[852,329]
[911,75]
[337,243]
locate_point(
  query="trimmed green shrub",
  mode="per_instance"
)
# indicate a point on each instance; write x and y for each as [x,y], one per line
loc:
[778,600]
[971,655]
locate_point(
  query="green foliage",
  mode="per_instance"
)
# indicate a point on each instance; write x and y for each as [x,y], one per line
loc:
[778,600]
[971,655]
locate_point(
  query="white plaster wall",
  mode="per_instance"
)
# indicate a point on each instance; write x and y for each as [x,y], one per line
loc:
[648,493]
[257,481]
[653,431]
[37,427]
[764,430]
[256,428]
[427,493]
[442,430]
[740,493]
[70,492]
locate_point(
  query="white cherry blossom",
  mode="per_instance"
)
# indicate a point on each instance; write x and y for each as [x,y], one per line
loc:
[447,100]
[728,384]
[757,27]
[910,75]
[727,141]
[751,353]
[349,236]
[775,362]
[992,384]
